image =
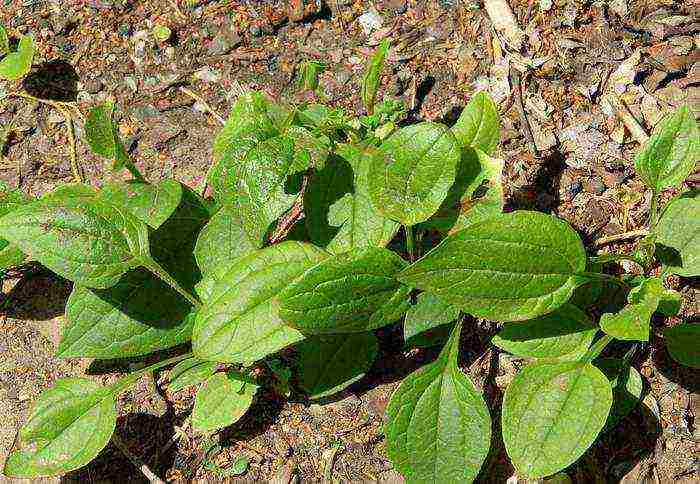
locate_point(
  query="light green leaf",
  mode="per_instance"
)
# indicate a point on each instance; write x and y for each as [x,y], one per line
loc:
[438,426]
[429,322]
[479,125]
[10,199]
[511,267]
[347,293]
[552,413]
[679,229]
[339,212]
[310,149]
[190,372]
[238,322]
[16,65]
[10,256]
[102,136]
[331,363]
[632,322]
[683,343]
[372,77]
[670,155]
[560,333]
[627,386]
[415,172]
[222,401]
[69,425]
[151,204]
[81,238]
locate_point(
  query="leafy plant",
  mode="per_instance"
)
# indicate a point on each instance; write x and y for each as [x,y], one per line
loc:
[301,248]
[15,65]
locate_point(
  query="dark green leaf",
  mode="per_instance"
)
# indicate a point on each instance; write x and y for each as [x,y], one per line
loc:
[69,425]
[330,363]
[438,426]
[679,229]
[683,343]
[222,401]
[102,136]
[415,172]
[16,65]
[552,413]
[347,293]
[372,77]
[152,204]
[511,267]
[190,372]
[428,322]
[238,322]
[627,388]
[563,332]
[670,303]
[672,151]
[479,125]
[632,322]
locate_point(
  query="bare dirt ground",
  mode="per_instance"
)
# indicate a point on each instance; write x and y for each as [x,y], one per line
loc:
[566,150]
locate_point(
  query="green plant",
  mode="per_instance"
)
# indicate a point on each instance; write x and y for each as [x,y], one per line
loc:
[292,252]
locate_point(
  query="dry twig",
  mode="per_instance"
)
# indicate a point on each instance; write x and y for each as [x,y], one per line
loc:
[204,104]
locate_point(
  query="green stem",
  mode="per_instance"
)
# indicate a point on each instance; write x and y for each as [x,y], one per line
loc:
[597,348]
[653,209]
[128,380]
[162,274]
[606,258]
[135,173]
[410,245]
[606,277]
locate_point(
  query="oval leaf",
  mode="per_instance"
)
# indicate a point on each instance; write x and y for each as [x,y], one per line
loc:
[479,125]
[331,363]
[511,267]
[238,322]
[683,343]
[552,413]
[562,332]
[347,293]
[679,229]
[222,401]
[103,138]
[438,426]
[151,204]
[415,172]
[632,322]
[69,425]
[428,322]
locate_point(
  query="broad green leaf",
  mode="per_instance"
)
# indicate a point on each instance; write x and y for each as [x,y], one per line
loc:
[69,425]
[339,212]
[479,125]
[10,256]
[238,322]
[670,155]
[627,386]
[438,427]
[562,332]
[511,267]
[683,343]
[476,195]
[679,229]
[16,65]
[330,363]
[4,41]
[310,149]
[322,117]
[222,241]
[372,77]
[551,415]
[10,199]
[348,293]
[429,322]
[151,204]
[102,136]
[415,172]
[190,372]
[632,322]
[222,401]
[81,238]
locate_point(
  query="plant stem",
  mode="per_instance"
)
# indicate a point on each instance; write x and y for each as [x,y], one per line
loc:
[163,275]
[617,237]
[128,380]
[597,348]
[135,173]
[606,277]
[410,245]
[653,209]
[605,258]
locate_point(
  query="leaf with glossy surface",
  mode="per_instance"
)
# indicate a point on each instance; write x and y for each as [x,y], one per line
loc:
[557,334]
[545,426]
[683,343]
[69,425]
[222,401]
[632,322]
[429,322]
[347,293]
[370,81]
[81,238]
[627,388]
[16,65]
[511,267]
[438,427]
[331,363]
[238,322]
[479,125]
[339,213]
[190,372]
[150,203]
[103,138]
[679,229]
[415,172]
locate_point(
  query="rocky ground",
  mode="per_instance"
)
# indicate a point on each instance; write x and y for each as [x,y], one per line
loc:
[579,85]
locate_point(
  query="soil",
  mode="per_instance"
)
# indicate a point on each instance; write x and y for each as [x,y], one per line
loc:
[565,148]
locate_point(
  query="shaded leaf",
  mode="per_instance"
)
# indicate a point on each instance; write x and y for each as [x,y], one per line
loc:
[222,401]
[679,229]
[102,136]
[683,343]
[627,386]
[632,322]
[479,125]
[190,372]
[16,65]
[429,322]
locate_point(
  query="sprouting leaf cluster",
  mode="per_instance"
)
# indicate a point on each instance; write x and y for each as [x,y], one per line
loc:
[293,251]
